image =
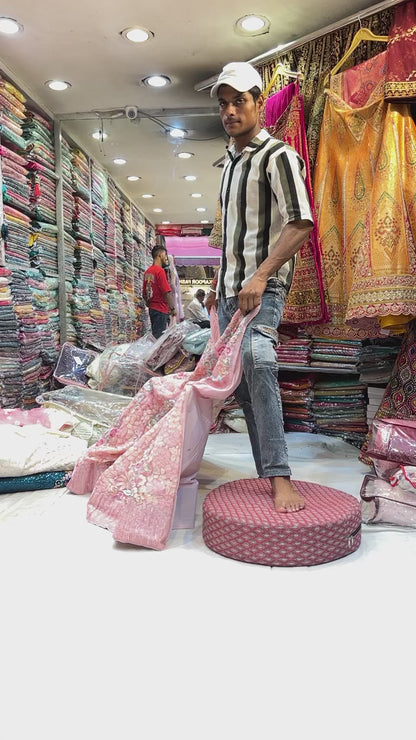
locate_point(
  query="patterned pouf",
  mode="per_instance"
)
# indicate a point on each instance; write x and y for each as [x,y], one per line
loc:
[239,521]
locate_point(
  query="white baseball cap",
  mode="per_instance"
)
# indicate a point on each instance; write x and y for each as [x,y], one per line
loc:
[239,75]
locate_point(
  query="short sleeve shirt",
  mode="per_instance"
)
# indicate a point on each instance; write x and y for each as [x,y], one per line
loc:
[155,277]
[262,189]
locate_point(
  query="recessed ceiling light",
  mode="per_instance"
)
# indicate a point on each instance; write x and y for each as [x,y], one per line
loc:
[204,221]
[99,135]
[137,34]
[177,133]
[184,155]
[201,209]
[119,160]
[148,195]
[58,84]
[156,81]
[190,178]
[134,178]
[165,222]
[252,25]
[9,26]
[157,210]
[196,195]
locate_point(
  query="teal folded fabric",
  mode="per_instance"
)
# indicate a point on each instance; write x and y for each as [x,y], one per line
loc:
[38,481]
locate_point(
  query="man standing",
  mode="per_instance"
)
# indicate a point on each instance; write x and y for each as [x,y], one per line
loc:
[266,217]
[157,292]
[196,311]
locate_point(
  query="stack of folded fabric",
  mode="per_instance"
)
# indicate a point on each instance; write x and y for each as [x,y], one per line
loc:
[30,344]
[99,197]
[38,133]
[69,256]
[12,116]
[11,380]
[44,248]
[375,396]
[99,262]
[105,307]
[336,353]
[110,236]
[118,315]
[340,408]
[98,338]
[84,261]
[128,245]
[44,292]
[119,250]
[377,359]
[81,312]
[297,398]
[16,232]
[66,185]
[294,351]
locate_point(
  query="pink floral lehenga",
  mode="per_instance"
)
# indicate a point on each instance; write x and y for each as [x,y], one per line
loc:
[137,468]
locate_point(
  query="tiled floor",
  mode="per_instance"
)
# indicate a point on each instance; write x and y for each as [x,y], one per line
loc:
[102,640]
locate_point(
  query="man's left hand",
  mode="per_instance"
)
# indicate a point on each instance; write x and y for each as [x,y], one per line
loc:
[250,294]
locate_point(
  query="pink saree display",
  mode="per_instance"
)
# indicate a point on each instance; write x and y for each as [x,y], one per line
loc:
[136,469]
[306,300]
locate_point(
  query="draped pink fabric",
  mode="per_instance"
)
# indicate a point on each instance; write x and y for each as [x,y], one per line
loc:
[134,471]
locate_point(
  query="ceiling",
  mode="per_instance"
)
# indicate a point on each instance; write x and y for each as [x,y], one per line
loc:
[80,42]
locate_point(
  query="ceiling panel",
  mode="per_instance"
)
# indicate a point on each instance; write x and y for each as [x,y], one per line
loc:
[80,42]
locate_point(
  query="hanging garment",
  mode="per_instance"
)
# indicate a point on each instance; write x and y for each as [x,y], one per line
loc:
[365,199]
[305,303]
[400,82]
[136,469]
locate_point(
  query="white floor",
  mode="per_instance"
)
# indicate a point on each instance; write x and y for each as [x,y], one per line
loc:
[102,640]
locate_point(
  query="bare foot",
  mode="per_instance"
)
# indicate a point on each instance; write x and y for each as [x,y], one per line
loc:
[286,498]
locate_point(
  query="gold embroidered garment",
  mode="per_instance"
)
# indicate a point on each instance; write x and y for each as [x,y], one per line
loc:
[365,197]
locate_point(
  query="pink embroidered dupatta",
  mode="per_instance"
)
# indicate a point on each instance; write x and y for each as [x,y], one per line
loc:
[136,468]
[305,303]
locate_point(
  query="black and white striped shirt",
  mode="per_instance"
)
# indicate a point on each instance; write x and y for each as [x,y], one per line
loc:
[262,189]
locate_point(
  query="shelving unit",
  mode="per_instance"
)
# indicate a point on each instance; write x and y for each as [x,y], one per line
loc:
[122,302]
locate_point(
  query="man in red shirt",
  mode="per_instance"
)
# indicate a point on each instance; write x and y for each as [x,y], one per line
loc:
[157,293]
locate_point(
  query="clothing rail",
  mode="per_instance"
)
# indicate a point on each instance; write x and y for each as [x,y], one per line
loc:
[272,53]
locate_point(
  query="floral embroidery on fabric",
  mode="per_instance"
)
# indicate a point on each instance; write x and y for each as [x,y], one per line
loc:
[366,201]
[135,469]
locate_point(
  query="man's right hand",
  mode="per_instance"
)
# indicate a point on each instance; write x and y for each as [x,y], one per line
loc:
[211,301]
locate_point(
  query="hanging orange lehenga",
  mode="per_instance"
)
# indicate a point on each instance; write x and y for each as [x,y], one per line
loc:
[365,196]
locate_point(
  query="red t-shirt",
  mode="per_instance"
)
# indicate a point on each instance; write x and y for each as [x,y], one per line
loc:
[156,284]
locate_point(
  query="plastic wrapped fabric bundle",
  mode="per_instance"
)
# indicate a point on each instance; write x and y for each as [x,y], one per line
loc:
[393,440]
[121,368]
[168,344]
[196,341]
[72,365]
[93,411]
[383,503]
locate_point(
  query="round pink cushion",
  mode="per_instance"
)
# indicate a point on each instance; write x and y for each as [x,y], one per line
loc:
[240,522]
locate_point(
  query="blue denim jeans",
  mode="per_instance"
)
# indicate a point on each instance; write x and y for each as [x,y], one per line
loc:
[159,322]
[258,392]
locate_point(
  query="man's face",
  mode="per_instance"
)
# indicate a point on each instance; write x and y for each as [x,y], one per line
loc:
[239,113]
